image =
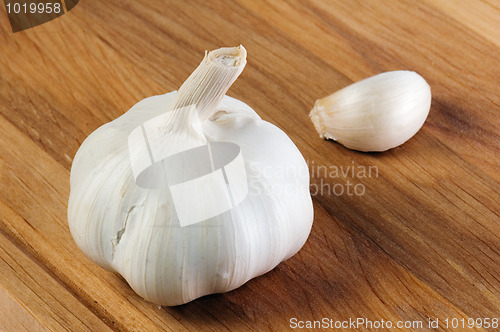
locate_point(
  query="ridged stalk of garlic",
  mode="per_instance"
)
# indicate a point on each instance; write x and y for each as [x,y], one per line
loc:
[134,230]
[375,114]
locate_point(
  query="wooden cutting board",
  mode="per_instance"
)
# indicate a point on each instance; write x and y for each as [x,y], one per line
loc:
[421,241]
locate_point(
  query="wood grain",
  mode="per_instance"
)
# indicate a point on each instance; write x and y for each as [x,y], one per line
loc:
[422,242]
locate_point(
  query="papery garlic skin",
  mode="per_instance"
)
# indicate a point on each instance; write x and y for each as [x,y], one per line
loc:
[375,114]
[133,230]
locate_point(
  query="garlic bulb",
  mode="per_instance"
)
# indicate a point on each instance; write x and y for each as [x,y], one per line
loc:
[190,193]
[375,114]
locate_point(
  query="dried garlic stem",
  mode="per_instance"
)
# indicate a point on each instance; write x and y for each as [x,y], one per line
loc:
[208,84]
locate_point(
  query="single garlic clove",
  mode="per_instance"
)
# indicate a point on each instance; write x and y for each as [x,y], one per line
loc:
[375,114]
